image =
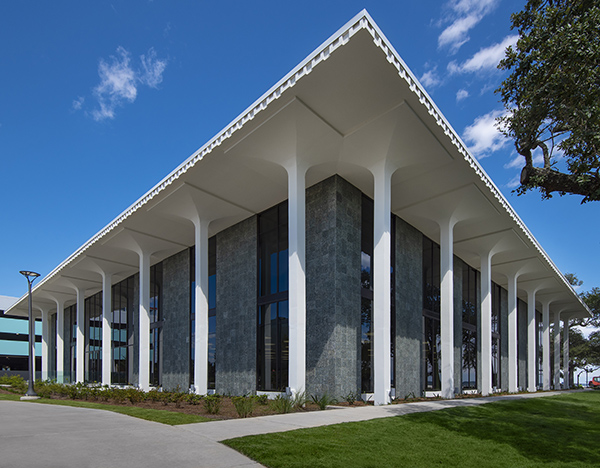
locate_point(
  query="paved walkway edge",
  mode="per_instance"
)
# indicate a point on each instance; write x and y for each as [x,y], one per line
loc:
[233,428]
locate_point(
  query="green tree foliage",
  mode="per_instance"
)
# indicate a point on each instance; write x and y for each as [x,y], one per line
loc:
[552,95]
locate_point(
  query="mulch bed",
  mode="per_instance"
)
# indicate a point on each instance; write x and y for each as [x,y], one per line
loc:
[227,410]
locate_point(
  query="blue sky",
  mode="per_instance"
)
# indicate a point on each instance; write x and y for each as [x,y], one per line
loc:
[100,100]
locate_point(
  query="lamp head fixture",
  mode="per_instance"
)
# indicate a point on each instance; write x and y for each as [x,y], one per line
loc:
[30,275]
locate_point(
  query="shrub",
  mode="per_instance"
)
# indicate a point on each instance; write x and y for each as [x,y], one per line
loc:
[194,398]
[135,395]
[261,399]
[351,398]
[323,401]
[281,404]
[298,400]
[212,403]
[243,405]
[16,382]
[178,398]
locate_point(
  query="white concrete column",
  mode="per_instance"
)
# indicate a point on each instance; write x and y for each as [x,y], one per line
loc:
[512,334]
[45,338]
[60,341]
[531,334]
[546,344]
[107,354]
[566,374]
[447,307]
[382,284]
[201,308]
[80,337]
[556,350]
[486,323]
[144,322]
[297,276]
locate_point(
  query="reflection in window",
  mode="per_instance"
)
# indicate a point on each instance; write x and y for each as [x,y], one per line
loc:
[93,338]
[366,304]
[496,305]
[156,325]
[272,313]
[71,325]
[122,331]
[539,340]
[469,327]
[431,315]
[212,311]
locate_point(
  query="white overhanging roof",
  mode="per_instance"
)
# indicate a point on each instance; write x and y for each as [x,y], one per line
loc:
[348,108]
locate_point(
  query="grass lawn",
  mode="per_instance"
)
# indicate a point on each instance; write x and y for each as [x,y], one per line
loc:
[560,431]
[161,416]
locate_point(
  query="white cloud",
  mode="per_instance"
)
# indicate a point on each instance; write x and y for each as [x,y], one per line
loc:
[466,14]
[516,162]
[78,103]
[462,94]
[514,182]
[483,137]
[519,161]
[119,81]
[486,59]
[153,69]
[430,79]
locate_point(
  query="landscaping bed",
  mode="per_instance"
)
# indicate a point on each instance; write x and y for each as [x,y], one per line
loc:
[216,407]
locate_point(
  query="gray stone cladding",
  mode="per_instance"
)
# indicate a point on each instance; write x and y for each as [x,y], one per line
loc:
[176,321]
[333,226]
[236,308]
[522,343]
[503,339]
[409,309]
[458,266]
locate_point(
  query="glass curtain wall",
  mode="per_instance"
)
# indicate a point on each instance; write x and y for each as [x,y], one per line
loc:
[93,338]
[366,294]
[212,311]
[156,325]
[71,342]
[539,340]
[470,308]
[496,333]
[52,347]
[122,332]
[431,315]
[272,310]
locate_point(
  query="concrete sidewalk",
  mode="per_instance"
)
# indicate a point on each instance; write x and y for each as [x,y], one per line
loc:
[229,429]
[36,435]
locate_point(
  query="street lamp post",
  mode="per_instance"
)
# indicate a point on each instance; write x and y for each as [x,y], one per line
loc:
[31,276]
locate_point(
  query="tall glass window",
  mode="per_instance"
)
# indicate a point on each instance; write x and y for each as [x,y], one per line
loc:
[212,311]
[432,340]
[52,347]
[469,328]
[71,325]
[496,333]
[539,340]
[156,325]
[93,338]
[366,293]
[272,310]
[122,332]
